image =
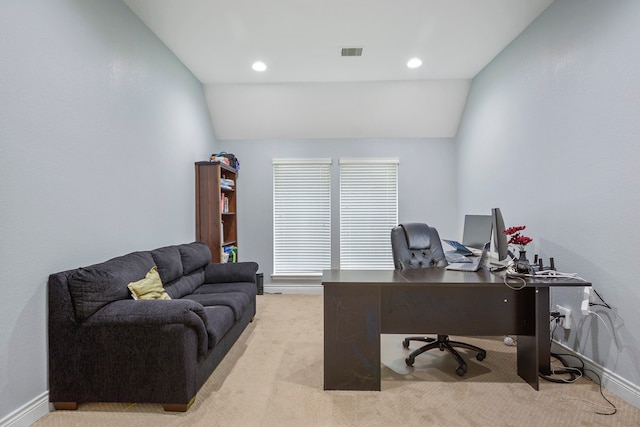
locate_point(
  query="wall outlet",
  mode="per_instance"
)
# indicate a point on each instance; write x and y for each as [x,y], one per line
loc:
[565,321]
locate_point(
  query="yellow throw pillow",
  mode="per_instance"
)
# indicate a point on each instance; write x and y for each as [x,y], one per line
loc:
[148,288]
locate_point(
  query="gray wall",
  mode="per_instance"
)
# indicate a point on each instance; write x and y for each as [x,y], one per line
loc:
[427,185]
[99,127]
[551,135]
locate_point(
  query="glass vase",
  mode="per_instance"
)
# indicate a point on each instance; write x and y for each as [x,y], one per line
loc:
[522,264]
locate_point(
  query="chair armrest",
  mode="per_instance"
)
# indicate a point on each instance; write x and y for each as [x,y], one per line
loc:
[231,272]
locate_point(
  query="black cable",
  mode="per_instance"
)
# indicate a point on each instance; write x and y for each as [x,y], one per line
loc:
[604,303]
[572,373]
[582,369]
[602,394]
[591,304]
[572,370]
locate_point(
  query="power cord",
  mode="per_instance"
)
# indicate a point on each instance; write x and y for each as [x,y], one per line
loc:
[587,303]
[582,372]
[603,304]
[521,282]
[574,372]
[554,273]
[510,274]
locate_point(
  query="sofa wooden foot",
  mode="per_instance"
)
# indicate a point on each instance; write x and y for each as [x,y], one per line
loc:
[178,407]
[65,406]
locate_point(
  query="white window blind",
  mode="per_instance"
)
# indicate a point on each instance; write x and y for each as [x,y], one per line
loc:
[368,212]
[301,216]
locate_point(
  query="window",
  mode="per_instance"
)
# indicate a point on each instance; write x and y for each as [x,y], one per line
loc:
[301,216]
[368,212]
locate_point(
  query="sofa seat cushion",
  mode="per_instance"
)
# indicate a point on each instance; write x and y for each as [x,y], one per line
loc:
[220,319]
[236,301]
[248,288]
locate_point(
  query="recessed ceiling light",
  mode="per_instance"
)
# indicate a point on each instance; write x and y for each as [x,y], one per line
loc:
[414,63]
[259,66]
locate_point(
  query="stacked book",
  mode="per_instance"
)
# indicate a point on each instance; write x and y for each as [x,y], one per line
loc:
[227,183]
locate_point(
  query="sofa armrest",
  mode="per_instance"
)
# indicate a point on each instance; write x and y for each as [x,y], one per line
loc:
[153,313]
[231,272]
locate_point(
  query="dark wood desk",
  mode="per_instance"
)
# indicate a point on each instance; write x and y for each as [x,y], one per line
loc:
[359,305]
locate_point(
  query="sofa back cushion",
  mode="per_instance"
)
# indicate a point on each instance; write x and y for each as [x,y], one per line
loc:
[95,286]
[186,284]
[169,263]
[194,256]
[181,269]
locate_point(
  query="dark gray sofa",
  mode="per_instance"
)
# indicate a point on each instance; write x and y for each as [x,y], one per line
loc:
[104,346]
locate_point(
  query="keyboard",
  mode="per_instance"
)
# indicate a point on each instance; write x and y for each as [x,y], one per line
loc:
[464,266]
[456,257]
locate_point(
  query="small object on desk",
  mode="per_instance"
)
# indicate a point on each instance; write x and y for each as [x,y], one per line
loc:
[475,265]
[459,247]
[455,256]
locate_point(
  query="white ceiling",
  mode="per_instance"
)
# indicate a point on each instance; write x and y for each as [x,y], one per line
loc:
[300,41]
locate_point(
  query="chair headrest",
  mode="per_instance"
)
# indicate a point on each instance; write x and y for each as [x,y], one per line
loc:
[418,235]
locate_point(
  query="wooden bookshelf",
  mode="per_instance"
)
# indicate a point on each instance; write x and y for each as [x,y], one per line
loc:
[216,219]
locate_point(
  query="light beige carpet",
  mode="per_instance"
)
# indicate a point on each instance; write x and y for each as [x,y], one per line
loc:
[273,376]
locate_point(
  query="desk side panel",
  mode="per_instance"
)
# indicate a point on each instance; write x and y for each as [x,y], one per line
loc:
[351,337]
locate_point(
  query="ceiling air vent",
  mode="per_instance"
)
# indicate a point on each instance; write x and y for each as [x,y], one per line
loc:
[351,51]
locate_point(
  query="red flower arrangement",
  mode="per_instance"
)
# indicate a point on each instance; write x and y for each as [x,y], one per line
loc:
[517,238]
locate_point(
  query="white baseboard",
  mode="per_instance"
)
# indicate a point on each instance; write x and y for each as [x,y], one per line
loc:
[617,385]
[315,288]
[29,413]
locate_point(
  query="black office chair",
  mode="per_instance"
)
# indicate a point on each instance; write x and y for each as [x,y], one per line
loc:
[416,245]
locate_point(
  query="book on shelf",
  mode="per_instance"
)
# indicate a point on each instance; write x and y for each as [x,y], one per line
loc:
[224,204]
[227,183]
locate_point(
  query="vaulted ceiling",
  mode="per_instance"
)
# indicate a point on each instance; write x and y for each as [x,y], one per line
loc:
[309,90]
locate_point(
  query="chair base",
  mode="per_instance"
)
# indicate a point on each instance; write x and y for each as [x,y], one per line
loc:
[443,343]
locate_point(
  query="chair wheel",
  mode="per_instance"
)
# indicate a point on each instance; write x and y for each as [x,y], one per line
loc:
[460,371]
[481,356]
[409,361]
[405,343]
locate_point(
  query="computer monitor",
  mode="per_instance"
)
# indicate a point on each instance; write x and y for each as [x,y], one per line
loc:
[501,246]
[477,230]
